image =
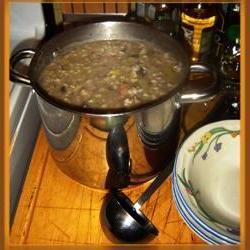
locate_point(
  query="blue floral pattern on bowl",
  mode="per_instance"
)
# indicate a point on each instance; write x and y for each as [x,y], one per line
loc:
[209,138]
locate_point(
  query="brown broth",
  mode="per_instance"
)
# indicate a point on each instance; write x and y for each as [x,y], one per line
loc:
[110,74]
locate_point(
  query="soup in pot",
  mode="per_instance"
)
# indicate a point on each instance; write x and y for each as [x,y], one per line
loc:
[110,74]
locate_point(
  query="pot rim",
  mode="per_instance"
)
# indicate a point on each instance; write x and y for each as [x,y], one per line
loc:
[102,112]
[109,111]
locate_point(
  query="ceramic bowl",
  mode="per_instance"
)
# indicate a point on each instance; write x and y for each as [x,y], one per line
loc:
[208,235]
[206,174]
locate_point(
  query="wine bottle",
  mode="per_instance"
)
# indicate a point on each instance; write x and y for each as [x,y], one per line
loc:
[197,24]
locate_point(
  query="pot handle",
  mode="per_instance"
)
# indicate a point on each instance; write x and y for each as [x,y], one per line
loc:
[16,76]
[199,89]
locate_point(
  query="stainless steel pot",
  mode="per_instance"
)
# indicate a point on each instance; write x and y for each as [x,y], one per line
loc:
[110,148]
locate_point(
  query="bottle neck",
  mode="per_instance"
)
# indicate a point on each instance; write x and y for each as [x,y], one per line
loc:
[199,11]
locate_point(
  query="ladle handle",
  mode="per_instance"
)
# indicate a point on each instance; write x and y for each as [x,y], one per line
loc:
[153,187]
[118,158]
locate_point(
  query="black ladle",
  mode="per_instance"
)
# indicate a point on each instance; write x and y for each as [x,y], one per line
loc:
[124,219]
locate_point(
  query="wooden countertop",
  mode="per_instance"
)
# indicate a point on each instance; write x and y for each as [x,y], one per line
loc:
[54,209]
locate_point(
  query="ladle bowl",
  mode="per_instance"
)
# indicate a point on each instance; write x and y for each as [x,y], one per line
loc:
[124,220]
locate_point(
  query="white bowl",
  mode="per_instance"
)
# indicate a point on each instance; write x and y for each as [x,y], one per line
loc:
[208,235]
[207,175]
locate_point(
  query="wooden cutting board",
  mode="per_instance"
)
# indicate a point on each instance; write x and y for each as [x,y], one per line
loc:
[54,209]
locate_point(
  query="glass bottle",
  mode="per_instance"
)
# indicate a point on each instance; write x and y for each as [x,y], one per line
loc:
[219,35]
[232,16]
[229,76]
[164,17]
[229,14]
[230,58]
[132,11]
[197,24]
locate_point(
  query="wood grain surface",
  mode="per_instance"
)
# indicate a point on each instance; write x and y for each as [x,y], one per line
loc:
[86,8]
[54,209]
